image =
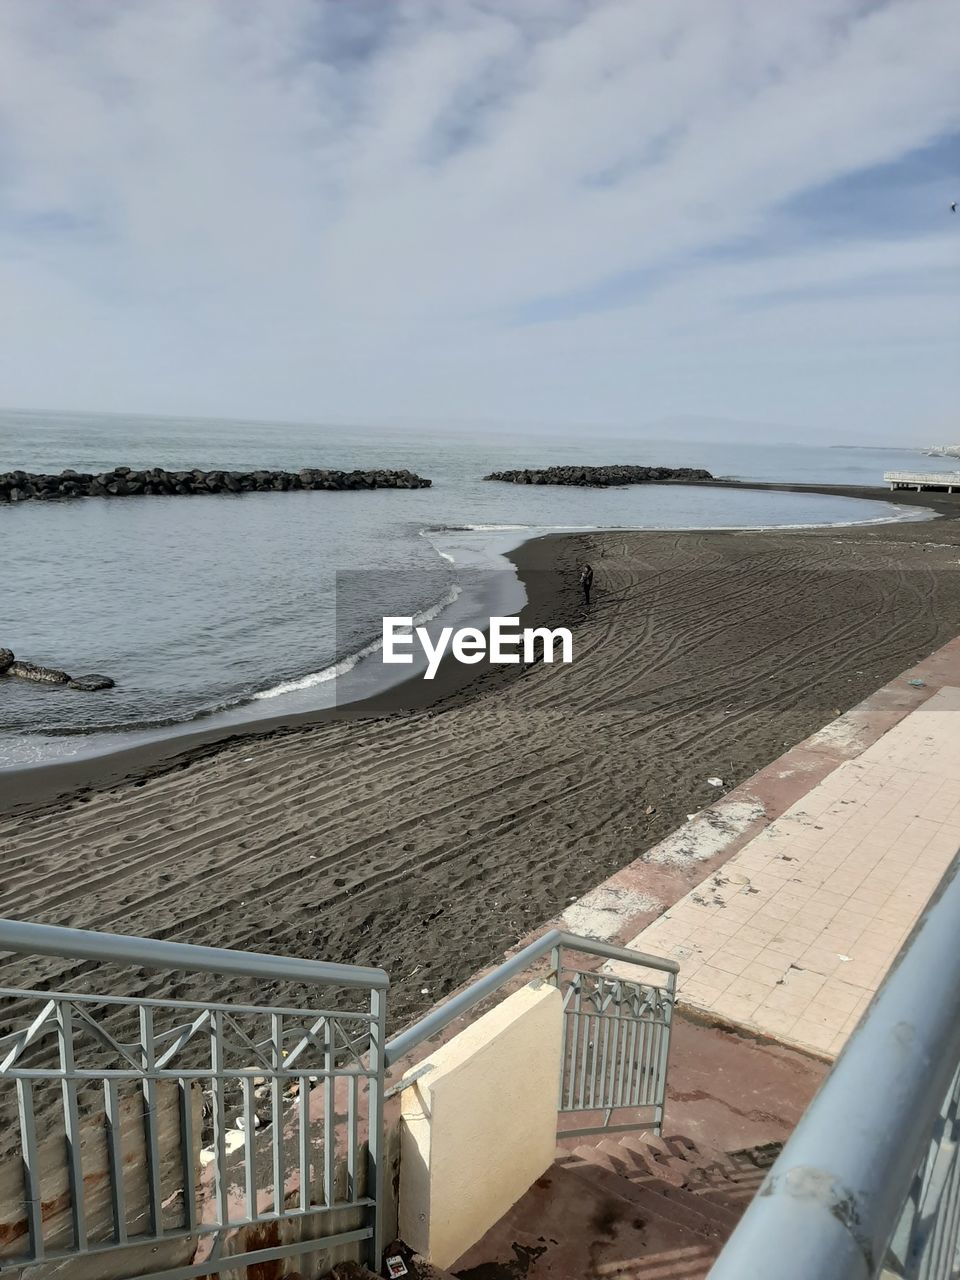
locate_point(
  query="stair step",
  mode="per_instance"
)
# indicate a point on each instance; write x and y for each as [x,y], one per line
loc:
[729,1179]
[674,1152]
[622,1162]
[644,1157]
[683,1208]
[648,1203]
[717,1210]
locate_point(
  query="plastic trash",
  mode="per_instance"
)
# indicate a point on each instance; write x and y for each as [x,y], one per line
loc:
[715,782]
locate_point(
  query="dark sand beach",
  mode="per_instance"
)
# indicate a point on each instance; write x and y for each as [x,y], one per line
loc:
[428,830]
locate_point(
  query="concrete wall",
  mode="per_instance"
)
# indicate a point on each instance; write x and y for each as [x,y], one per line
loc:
[480,1127]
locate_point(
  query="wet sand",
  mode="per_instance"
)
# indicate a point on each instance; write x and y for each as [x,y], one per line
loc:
[427,831]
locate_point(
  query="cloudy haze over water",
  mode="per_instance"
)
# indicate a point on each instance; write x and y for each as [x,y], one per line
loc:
[508,211]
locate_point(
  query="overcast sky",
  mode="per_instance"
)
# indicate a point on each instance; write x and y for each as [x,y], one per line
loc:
[517,211]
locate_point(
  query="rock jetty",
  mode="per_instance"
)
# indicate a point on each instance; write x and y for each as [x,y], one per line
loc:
[124,482]
[600,477]
[11,666]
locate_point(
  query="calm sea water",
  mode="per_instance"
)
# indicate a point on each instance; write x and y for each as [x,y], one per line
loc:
[226,606]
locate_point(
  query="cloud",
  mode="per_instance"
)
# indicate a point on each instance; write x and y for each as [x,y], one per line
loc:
[478,208]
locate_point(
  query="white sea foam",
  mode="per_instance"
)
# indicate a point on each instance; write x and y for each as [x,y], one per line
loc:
[434,611]
[496,528]
[350,661]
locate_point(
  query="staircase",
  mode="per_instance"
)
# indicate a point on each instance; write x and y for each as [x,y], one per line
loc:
[679,1170]
[623,1208]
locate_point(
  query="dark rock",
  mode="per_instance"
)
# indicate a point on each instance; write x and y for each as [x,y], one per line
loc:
[90,683]
[42,675]
[601,477]
[121,482]
[6,659]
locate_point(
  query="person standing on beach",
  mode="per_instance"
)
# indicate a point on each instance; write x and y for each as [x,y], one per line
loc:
[586,582]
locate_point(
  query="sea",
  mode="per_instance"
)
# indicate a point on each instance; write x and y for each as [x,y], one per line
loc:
[227,609]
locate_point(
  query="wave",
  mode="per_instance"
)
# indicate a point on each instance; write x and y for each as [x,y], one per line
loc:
[317,677]
[895,514]
[295,685]
[476,528]
[350,661]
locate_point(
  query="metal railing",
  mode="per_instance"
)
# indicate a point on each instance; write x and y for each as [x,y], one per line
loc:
[107,1101]
[111,1091]
[922,477]
[616,1032]
[869,1183]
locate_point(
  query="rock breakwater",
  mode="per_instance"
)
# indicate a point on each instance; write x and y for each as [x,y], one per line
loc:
[124,482]
[600,477]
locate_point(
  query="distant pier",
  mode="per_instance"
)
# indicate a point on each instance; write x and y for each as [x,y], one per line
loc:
[942,481]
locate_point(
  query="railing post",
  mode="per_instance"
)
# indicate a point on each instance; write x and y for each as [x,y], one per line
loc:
[554,977]
[664,1056]
[376,1141]
[554,974]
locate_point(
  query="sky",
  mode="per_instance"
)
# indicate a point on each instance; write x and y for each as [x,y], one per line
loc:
[551,213]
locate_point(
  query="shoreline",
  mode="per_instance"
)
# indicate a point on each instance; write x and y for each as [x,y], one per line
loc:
[551,600]
[46,784]
[425,840]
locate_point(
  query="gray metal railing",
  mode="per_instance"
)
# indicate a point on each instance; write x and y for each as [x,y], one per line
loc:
[115,1089]
[869,1183]
[107,1100]
[616,1031]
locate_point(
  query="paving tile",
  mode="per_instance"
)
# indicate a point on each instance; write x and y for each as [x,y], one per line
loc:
[746,946]
[841,997]
[814,1036]
[838,882]
[749,984]
[769,973]
[716,979]
[733,1007]
[781,1003]
[729,963]
[775,1022]
[778,956]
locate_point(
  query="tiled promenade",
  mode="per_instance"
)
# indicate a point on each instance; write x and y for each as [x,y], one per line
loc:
[792,935]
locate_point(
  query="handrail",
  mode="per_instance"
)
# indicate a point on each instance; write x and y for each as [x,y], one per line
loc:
[153,953]
[210,1043]
[829,1207]
[471,996]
